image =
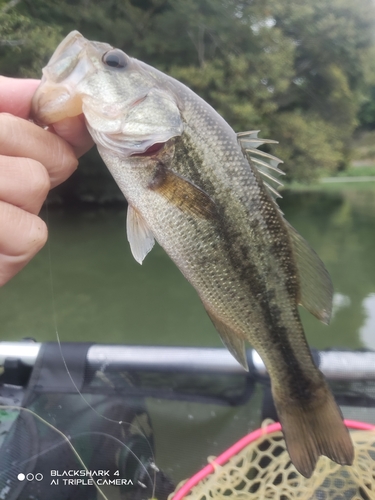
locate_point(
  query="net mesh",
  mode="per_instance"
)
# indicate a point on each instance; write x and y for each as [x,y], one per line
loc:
[263,470]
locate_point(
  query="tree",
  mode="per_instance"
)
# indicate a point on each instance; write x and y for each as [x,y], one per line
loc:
[333,40]
[26,43]
[293,69]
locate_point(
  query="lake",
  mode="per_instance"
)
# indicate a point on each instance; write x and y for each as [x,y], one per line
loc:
[86,283]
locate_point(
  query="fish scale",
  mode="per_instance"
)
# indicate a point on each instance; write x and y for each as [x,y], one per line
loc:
[208,197]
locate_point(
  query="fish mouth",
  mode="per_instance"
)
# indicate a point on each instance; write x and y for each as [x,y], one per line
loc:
[51,104]
[57,97]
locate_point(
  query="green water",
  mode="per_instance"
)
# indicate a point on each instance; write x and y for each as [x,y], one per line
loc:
[88,285]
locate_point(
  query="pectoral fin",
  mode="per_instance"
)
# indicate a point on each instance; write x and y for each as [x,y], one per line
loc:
[183,194]
[140,236]
[316,288]
[234,344]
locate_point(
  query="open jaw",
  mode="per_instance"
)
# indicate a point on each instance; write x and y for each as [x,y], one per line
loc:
[152,150]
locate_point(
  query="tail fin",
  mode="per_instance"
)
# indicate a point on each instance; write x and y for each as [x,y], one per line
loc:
[313,430]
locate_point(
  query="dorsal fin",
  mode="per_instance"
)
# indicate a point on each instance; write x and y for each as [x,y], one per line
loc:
[266,164]
[316,290]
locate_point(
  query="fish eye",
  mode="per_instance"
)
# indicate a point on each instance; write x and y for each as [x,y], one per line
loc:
[115,58]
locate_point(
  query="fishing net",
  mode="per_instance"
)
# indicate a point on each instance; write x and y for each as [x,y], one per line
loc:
[148,428]
[263,470]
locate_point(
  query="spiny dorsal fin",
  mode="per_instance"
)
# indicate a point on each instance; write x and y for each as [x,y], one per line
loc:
[316,290]
[140,236]
[266,164]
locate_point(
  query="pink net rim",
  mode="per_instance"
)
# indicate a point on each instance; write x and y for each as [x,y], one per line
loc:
[237,447]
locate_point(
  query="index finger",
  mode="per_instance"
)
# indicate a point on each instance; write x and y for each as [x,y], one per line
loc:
[16,95]
[22,139]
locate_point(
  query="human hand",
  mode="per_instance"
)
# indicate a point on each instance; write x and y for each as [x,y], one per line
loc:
[32,161]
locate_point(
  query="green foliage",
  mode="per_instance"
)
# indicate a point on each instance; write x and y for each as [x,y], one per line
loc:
[300,71]
[365,171]
[308,145]
[366,115]
[363,147]
[25,43]
[244,88]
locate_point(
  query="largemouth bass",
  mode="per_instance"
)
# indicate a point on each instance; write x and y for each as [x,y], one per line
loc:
[207,196]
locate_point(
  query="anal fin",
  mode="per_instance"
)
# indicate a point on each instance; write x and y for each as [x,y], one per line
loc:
[234,344]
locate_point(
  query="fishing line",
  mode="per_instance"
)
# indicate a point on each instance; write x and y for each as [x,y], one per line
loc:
[54,318]
[65,438]
[121,443]
[69,439]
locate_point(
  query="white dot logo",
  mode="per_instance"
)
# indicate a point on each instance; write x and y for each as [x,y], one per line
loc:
[29,477]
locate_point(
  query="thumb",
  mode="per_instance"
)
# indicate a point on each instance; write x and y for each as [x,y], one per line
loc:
[74,131]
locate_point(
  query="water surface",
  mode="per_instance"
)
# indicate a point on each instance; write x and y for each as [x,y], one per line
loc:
[87,283]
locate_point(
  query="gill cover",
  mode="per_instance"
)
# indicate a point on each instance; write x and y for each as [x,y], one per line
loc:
[153,117]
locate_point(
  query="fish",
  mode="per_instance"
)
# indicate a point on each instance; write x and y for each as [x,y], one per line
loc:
[208,196]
